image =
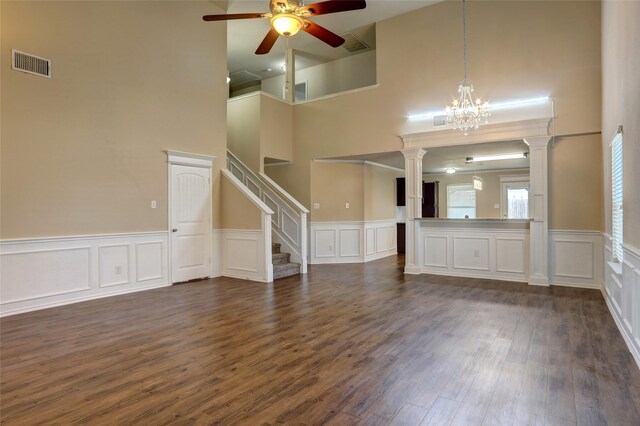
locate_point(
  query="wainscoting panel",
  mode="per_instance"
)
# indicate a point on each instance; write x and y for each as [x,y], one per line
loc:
[436,256]
[114,264]
[385,232]
[576,258]
[324,242]
[352,242]
[500,254]
[42,273]
[149,260]
[242,253]
[471,253]
[621,290]
[511,255]
[370,242]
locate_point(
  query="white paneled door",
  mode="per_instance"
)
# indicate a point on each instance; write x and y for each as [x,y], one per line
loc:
[190,221]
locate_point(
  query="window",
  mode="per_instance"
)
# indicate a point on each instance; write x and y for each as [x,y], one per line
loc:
[301,91]
[515,196]
[461,201]
[616,197]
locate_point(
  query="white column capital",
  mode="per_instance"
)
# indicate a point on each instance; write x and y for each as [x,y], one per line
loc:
[537,141]
[411,153]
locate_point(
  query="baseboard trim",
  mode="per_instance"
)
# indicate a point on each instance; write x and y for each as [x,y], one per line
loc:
[472,275]
[345,260]
[47,305]
[629,340]
[573,284]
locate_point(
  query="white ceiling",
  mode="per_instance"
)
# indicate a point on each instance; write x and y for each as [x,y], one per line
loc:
[244,36]
[437,160]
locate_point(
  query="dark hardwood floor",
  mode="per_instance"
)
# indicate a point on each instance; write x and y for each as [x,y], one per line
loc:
[347,344]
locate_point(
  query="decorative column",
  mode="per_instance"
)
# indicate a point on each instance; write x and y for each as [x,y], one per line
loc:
[413,191]
[538,210]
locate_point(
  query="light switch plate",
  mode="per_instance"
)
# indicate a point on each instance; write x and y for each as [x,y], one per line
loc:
[496,206]
[316,205]
[153,204]
[346,205]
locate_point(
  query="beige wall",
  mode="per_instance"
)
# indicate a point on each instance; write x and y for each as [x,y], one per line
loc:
[575,184]
[343,74]
[276,130]
[332,186]
[486,199]
[238,212]
[243,128]
[83,152]
[380,192]
[260,126]
[370,191]
[517,50]
[621,106]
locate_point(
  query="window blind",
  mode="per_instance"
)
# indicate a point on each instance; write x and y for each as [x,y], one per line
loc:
[616,197]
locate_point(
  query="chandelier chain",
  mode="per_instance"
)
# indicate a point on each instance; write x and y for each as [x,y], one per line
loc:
[465,113]
[464,35]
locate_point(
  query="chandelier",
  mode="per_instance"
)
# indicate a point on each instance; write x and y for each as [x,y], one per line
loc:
[465,113]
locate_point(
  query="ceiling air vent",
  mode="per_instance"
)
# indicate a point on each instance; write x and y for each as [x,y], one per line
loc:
[352,43]
[439,120]
[242,77]
[30,64]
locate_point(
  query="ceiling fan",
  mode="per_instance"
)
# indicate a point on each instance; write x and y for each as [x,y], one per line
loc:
[289,16]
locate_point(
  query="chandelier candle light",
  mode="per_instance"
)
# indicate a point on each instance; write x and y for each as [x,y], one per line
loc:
[465,113]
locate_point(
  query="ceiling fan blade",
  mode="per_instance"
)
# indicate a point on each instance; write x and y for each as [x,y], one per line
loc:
[234,16]
[333,6]
[268,42]
[332,39]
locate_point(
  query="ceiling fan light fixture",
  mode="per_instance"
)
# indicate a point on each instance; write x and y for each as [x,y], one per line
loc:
[287,24]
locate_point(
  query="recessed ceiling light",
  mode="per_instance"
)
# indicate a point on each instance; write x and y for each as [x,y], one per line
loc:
[451,171]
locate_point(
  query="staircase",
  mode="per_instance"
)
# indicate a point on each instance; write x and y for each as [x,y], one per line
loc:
[282,265]
[288,221]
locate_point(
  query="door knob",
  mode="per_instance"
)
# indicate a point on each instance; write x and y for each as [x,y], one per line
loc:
[174,230]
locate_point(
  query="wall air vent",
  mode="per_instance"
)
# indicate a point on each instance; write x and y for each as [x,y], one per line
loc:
[30,64]
[352,43]
[439,120]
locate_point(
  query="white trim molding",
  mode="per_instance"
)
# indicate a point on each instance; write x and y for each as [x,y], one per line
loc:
[576,258]
[499,254]
[487,133]
[352,242]
[40,273]
[190,159]
[241,253]
[621,291]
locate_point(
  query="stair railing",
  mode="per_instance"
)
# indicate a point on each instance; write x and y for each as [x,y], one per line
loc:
[289,221]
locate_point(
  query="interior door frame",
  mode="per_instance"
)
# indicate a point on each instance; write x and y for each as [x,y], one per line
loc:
[179,158]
